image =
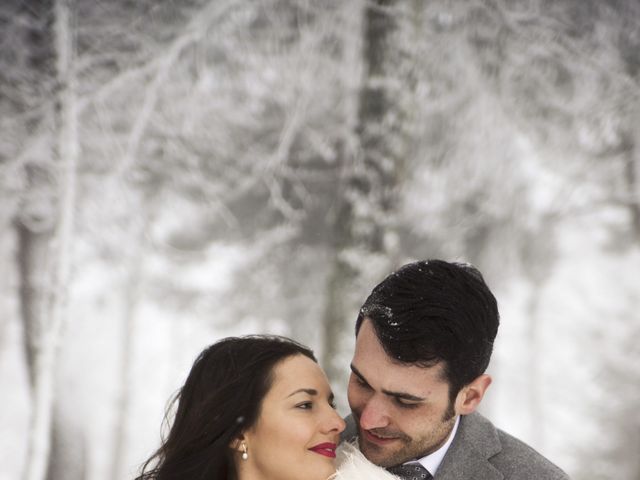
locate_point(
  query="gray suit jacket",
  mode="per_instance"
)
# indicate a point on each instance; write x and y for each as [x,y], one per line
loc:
[480,451]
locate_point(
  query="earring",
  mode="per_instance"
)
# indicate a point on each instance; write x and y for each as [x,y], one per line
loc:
[245,455]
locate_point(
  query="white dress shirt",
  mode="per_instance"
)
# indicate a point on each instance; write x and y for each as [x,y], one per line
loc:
[432,461]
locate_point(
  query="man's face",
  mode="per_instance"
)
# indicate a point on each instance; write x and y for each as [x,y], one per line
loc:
[402,411]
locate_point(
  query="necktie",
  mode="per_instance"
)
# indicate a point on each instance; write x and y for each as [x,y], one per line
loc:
[413,471]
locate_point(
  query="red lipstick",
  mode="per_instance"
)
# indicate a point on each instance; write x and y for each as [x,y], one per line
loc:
[327,449]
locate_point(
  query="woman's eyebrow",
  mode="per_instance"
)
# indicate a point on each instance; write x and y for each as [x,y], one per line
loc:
[310,391]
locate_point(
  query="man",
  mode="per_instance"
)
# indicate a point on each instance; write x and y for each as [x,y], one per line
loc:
[424,338]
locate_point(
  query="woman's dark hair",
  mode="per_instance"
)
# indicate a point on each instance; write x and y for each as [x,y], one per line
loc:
[220,399]
[434,311]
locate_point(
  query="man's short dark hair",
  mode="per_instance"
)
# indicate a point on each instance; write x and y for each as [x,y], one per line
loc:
[434,311]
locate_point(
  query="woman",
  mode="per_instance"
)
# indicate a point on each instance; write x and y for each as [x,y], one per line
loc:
[252,408]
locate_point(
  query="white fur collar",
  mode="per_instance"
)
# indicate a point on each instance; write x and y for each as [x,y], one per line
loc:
[352,465]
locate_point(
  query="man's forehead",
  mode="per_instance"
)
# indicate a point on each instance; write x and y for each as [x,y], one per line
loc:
[376,365]
[367,365]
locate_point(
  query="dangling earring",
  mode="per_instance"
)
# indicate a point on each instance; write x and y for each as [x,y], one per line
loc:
[245,455]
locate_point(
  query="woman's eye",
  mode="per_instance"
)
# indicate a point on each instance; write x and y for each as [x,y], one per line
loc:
[304,405]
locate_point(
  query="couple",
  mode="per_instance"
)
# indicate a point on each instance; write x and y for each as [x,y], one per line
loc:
[260,407]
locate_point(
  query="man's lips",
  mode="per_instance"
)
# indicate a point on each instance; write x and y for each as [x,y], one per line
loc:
[373,438]
[327,449]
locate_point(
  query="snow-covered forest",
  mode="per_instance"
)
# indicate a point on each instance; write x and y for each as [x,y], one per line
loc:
[173,172]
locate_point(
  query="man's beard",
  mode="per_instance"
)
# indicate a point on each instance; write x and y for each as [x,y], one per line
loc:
[405,448]
[379,455]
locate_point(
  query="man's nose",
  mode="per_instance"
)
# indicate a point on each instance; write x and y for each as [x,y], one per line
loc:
[374,414]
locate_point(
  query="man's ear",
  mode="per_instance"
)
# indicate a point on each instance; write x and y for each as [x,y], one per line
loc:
[470,396]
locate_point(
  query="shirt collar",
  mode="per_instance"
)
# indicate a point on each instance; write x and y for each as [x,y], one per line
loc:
[432,461]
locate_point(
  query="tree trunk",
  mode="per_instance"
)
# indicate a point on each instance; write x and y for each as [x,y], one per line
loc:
[131,297]
[539,259]
[536,410]
[35,225]
[35,222]
[361,225]
[32,257]
[68,454]
[633,192]
[52,317]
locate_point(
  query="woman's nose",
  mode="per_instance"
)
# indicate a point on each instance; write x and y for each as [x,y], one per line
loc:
[334,422]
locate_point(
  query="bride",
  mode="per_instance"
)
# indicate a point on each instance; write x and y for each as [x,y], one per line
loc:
[256,408]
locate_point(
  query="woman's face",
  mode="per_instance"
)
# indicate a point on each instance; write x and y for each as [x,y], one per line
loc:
[298,429]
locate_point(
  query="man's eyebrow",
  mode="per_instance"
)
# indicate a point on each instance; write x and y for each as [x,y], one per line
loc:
[310,391]
[358,374]
[391,393]
[403,395]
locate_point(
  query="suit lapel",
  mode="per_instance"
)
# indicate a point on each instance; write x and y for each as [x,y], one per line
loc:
[467,458]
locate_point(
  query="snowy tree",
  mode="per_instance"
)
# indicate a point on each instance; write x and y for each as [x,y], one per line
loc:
[371,154]
[48,206]
[311,147]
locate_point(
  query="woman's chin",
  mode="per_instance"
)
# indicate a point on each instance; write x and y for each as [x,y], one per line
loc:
[323,471]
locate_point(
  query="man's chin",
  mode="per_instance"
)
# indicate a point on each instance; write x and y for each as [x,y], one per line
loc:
[384,455]
[374,455]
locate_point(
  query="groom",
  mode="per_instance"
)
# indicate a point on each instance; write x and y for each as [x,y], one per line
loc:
[423,342]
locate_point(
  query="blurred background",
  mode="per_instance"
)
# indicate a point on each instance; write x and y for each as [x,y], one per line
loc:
[173,172]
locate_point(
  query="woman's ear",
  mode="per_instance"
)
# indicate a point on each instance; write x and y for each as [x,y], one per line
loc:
[236,443]
[239,445]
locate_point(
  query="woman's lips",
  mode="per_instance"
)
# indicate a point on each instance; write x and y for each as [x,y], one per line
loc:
[326,449]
